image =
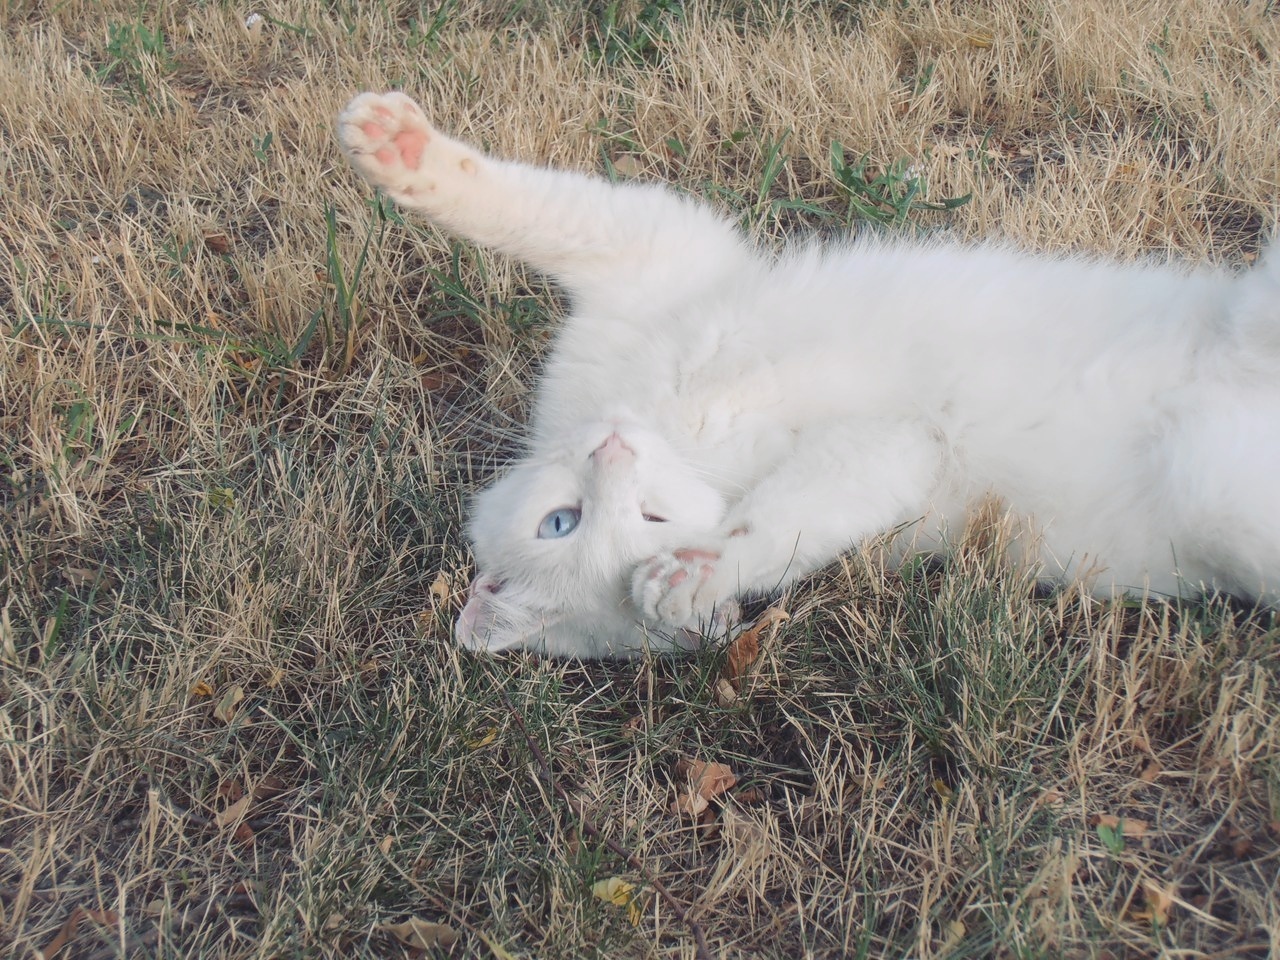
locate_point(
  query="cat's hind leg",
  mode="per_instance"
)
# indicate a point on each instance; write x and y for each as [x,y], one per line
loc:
[607,243]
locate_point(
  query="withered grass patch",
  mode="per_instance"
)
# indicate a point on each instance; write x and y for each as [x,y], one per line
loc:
[242,405]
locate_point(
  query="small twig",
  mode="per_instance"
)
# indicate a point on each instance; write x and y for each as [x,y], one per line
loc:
[704,953]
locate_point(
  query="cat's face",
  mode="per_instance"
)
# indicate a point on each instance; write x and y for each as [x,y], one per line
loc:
[558,538]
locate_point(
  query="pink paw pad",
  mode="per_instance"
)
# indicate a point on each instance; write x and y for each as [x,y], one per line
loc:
[690,555]
[411,144]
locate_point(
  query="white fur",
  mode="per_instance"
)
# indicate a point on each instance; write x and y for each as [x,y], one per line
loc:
[777,412]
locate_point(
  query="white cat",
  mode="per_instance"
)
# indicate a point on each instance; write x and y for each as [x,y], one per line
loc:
[715,421]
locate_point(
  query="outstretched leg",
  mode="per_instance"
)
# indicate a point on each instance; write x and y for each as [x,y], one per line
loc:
[841,484]
[606,243]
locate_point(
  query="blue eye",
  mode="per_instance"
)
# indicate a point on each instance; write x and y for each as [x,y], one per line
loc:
[559,523]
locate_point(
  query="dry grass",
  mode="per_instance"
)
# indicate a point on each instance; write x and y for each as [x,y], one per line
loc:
[225,470]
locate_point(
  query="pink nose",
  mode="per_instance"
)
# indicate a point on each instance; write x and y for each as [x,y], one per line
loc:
[613,449]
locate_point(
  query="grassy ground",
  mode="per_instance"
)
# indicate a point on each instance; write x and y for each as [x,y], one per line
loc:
[242,405]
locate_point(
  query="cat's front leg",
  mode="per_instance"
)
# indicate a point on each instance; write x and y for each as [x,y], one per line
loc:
[841,484]
[607,243]
[390,143]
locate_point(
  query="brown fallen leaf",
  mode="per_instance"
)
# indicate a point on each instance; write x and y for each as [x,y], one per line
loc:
[1159,901]
[744,650]
[268,787]
[230,790]
[201,689]
[703,782]
[1128,826]
[1151,771]
[632,727]
[108,918]
[217,242]
[1049,798]
[420,934]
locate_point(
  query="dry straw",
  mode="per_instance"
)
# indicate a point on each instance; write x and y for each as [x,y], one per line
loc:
[241,407]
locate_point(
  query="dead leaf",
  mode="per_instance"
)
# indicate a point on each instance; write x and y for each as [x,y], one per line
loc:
[233,813]
[1049,798]
[482,739]
[1128,826]
[67,933]
[944,791]
[1242,846]
[230,790]
[955,933]
[243,833]
[201,689]
[617,891]
[1150,771]
[217,242]
[384,845]
[268,787]
[627,165]
[1159,901]
[440,587]
[499,951]
[221,498]
[726,696]
[745,648]
[633,727]
[750,796]
[982,41]
[226,708]
[420,934]
[703,782]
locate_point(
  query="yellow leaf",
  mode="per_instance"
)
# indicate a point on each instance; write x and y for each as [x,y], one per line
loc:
[499,951]
[419,934]
[944,791]
[201,689]
[226,708]
[486,737]
[617,891]
[222,498]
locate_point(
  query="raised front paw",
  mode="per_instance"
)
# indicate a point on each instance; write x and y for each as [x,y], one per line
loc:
[683,589]
[391,144]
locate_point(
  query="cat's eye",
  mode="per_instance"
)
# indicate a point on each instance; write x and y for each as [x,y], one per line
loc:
[559,523]
[654,518]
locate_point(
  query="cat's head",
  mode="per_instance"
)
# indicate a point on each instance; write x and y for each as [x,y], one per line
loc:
[558,538]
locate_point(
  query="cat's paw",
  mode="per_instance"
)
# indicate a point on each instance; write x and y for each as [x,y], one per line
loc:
[682,589]
[390,143]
